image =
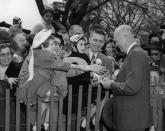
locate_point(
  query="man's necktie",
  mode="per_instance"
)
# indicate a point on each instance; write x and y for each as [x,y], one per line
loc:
[93,59]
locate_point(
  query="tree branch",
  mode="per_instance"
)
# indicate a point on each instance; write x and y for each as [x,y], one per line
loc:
[66,12]
[97,7]
[40,6]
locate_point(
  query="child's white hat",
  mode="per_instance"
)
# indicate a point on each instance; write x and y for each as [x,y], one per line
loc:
[41,37]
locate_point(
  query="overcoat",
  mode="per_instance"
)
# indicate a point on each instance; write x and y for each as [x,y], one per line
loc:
[130,108]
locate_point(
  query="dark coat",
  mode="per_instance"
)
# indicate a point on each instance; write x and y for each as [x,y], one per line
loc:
[108,63]
[131,109]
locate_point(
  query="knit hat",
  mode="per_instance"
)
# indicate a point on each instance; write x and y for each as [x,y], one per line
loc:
[75,29]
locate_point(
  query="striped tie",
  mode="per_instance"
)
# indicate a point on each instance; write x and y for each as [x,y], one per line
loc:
[93,59]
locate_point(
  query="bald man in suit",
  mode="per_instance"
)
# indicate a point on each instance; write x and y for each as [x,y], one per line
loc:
[131,110]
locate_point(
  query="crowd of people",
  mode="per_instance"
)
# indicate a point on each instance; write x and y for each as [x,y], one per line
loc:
[44,62]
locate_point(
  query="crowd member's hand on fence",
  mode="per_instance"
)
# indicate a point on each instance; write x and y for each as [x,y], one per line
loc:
[107,83]
[12,81]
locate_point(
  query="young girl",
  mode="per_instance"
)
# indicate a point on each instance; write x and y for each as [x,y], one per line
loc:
[47,73]
[77,56]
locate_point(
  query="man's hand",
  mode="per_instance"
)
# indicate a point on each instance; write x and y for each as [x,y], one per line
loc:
[97,69]
[107,83]
[94,68]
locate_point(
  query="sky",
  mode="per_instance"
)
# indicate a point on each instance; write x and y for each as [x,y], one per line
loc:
[25,9]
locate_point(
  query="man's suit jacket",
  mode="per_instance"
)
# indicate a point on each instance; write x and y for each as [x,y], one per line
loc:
[131,108]
[107,62]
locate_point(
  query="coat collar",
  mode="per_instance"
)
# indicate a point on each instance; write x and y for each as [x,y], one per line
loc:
[132,48]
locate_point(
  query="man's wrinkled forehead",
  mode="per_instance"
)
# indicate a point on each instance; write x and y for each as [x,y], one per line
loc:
[96,35]
[97,29]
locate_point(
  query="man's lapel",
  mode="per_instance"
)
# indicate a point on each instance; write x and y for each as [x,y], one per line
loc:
[104,61]
[99,56]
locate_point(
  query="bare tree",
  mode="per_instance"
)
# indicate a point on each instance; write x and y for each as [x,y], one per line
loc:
[144,16]
[115,13]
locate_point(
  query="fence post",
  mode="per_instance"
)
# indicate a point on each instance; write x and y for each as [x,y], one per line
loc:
[38,122]
[106,98]
[7,113]
[53,111]
[97,108]
[69,115]
[28,110]
[17,112]
[88,107]
[60,120]
[79,107]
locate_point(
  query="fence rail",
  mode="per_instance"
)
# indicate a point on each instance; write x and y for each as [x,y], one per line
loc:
[64,122]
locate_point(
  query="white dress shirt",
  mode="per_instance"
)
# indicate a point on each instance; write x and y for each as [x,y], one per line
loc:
[91,54]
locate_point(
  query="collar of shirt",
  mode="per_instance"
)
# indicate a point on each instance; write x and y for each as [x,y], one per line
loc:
[91,53]
[15,55]
[129,48]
